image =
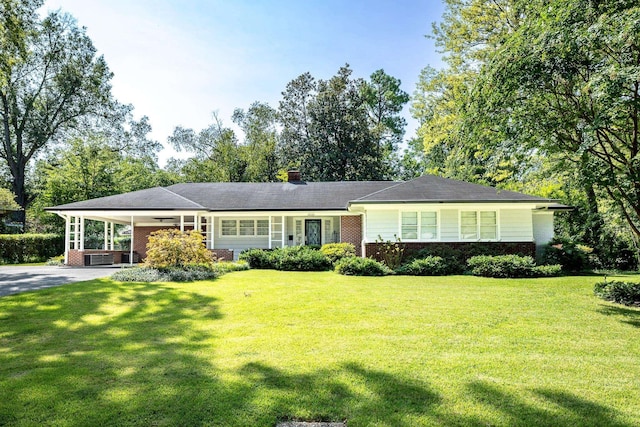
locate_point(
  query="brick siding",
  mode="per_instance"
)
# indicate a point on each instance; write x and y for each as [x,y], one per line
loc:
[76,257]
[351,231]
[223,254]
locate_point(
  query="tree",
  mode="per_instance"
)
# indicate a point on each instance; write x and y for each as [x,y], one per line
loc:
[50,77]
[216,154]
[342,128]
[384,102]
[260,140]
[567,82]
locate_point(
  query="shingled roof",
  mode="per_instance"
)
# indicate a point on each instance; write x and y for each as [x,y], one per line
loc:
[431,188]
[234,196]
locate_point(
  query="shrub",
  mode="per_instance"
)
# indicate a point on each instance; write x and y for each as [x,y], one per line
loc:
[189,273]
[573,257]
[56,260]
[391,253]
[501,266]
[547,270]
[455,259]
[355,266]
[428,266]
[174,248]
[19,248]
[138,274]
[301,258]
[228,267]
[336,251]
[259,258]
[627,293]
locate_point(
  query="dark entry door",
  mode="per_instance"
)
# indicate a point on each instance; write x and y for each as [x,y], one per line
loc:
[312,230]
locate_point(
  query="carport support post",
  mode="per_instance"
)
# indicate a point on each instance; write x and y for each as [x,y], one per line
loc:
[67,238]
[106,235]
[82,233]
[131,247]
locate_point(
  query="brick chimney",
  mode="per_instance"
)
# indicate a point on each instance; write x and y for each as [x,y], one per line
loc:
[293,176]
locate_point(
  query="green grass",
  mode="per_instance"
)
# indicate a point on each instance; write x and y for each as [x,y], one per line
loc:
[255,347]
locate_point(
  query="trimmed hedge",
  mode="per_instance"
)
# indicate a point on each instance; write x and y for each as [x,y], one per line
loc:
[20,248]
[429,266]
[259,258]
[301,258]
[510,266]
[627,293]
[355,266]
[294,258]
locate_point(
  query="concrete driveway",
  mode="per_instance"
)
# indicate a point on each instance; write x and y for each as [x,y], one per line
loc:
[18,279]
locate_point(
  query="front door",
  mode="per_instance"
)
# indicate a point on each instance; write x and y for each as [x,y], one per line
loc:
[312,231]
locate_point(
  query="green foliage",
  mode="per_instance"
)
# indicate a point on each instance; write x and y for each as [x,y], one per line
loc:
[627,293]
[509,266]
[301,258]
[356,266]
[185,273]
[138,274]
[342,128]
[293,258]
[8,201]
[336,251]
[189,273]
[552,270]
[572,256]
[20,248]
[49,80]
[56,260]
[259,258]
[391,253]
[223,267]
[173,248]
[429,266]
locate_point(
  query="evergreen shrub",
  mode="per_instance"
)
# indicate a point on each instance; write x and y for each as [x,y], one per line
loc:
[20,248]
[627,293]
[301,258]
[509,266]
[356,266]
[428,266]
[259,258]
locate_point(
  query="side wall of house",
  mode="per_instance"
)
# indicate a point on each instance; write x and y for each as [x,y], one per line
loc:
[513,224]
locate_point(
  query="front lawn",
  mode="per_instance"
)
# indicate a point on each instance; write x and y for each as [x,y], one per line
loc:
[255,347]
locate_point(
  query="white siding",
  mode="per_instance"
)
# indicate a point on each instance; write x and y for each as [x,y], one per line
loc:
[516,225]
[542,227]
[449,225]
[383,223]
[238,242]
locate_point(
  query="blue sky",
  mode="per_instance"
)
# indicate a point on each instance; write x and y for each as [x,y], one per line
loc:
[178,61]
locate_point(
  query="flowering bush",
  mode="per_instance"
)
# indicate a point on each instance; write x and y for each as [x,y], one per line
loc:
[174,248]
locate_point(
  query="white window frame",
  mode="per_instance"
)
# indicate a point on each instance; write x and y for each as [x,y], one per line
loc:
[237,227]
[419,213]
[479,213]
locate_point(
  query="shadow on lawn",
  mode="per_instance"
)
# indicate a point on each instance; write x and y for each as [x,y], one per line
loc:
[102,353]
[630,316]
[551,408]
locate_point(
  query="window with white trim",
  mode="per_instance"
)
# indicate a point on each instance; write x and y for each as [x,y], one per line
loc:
[478,225]
[419,225]
[244,227]
[228,227]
